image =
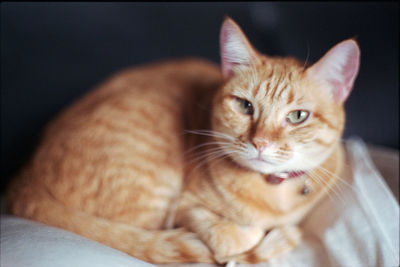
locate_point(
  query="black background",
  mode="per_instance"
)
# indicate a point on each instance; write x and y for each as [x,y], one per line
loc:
[52,53]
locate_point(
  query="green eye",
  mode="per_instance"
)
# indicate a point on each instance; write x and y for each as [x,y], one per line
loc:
[297,116]
[244,106]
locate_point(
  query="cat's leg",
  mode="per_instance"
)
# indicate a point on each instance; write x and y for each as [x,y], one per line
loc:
[276,243]
[224,238]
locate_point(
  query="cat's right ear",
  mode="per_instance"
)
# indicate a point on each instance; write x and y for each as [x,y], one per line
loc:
[235,49]
[338,68]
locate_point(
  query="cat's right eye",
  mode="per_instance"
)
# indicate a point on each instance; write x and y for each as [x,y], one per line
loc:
[244,106]
[297,116]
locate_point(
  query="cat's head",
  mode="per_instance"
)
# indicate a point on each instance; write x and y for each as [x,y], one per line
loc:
[275,115]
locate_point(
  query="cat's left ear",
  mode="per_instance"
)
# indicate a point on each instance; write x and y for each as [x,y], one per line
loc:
[339,68]
[235,48]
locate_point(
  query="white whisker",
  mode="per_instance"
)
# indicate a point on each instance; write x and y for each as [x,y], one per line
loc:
[331,188]
[206,144]
[212,158]
[318,181]
[211,133]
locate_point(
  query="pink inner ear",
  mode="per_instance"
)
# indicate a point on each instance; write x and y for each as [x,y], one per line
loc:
[349,73]
[227,65]
[339,67]
[234,47]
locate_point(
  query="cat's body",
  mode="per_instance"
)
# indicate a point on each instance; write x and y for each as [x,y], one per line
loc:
[151,148]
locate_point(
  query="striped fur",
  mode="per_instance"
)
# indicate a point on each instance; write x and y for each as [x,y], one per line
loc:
[163,146]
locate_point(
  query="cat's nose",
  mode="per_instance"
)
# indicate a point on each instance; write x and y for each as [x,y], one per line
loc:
[260,143]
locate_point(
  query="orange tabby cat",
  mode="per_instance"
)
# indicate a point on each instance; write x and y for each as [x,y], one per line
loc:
[233,160]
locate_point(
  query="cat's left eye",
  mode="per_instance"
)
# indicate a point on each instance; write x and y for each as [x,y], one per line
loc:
[297,116]
[244,106]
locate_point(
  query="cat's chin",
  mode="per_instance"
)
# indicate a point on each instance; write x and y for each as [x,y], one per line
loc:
[261,166]
[271,168]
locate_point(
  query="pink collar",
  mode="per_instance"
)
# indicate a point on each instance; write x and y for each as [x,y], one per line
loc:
[274,179]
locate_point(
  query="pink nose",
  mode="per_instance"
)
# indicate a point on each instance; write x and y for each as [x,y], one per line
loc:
[260,143]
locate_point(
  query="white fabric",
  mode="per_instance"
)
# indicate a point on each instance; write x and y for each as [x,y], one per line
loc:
[29,244]
[357,226]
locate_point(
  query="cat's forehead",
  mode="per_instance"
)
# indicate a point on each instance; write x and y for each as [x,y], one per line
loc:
[272,78]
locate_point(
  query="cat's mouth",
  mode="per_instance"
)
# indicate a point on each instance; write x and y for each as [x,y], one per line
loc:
[277,178]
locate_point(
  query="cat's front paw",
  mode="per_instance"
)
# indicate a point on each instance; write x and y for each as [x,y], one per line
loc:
[230,239]
[276,243]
